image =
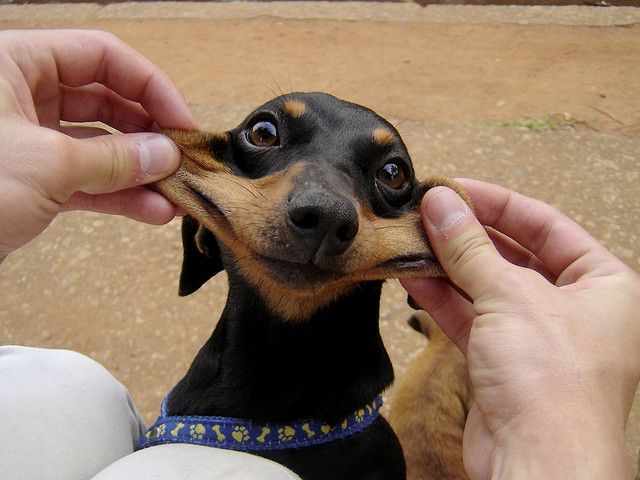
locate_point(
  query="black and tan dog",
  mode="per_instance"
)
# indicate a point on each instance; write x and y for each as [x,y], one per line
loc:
[308,205]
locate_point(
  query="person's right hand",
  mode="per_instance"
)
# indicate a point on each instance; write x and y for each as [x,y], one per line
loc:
[549,321]
[48,77]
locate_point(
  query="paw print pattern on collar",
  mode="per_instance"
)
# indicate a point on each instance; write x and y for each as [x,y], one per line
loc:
[244,435]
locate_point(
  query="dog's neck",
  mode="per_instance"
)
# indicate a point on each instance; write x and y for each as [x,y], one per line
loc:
[259,366]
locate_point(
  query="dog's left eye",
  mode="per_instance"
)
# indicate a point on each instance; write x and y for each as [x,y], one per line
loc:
[392,175]
[263,134]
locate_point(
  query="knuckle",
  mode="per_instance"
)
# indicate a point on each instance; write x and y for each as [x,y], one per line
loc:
[102,35]
[473,259]
[115,165]
[108,36]
[56,144]
[60,150]
[469,248]
[107,108]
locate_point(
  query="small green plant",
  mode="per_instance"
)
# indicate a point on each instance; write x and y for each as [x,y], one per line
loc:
[564,121]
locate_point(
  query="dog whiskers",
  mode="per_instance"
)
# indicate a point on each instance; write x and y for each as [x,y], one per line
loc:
[384,227]
[244,186]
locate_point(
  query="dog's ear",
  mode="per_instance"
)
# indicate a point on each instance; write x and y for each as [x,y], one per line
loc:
[201,256]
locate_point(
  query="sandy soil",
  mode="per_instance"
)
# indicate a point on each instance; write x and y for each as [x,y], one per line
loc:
[449,76]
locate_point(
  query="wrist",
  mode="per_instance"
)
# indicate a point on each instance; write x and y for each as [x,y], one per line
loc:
[560,445]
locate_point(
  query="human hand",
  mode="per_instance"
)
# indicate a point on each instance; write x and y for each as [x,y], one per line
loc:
[81,76]
[548,320]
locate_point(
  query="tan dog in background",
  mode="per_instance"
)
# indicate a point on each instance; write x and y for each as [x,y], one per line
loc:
[430,407]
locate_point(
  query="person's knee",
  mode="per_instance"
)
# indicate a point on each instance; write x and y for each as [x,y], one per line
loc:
[63,365]
[74,407]
[54,375]
[187,462]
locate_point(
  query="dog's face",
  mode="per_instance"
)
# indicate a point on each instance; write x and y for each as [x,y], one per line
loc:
[309,195]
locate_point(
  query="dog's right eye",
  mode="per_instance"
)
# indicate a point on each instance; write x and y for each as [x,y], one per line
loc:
[263,133]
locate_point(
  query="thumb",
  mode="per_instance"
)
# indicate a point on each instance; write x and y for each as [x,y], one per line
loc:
[109,163]
[461,243]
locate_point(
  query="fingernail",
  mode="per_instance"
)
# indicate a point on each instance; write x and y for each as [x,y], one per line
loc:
[158,155]
[444,208]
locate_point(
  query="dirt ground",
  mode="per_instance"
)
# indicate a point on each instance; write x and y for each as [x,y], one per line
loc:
[458,80]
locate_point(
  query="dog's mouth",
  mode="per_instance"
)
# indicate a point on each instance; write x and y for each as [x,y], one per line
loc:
[284,269]
[415,262]
[281,270]
[309,277]
[303,275]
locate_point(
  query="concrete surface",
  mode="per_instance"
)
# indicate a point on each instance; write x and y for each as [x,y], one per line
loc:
[451,77]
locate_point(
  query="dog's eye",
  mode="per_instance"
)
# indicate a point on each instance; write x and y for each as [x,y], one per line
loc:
[263,134]
[392,175]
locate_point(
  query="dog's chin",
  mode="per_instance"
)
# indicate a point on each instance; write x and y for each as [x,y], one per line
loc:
[294,292]
[302,277]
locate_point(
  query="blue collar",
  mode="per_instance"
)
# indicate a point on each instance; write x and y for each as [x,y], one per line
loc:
[240,434]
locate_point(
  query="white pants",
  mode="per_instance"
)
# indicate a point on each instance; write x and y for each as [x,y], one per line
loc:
[64,417]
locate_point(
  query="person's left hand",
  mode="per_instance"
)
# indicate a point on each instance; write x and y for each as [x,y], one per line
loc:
[49,77]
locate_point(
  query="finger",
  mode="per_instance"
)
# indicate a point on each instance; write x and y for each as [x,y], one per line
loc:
[138,203]
[448,308]
[516,254]
[462,245]
[96,103]
[552,237]
[109,163]
[109,61]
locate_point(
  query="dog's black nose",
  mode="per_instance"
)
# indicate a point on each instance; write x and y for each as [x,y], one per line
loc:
[324,223]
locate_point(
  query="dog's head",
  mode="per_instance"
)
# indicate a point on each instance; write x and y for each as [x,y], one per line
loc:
[307,197]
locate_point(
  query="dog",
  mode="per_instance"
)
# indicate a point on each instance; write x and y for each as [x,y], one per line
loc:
[430,407]
[309,204]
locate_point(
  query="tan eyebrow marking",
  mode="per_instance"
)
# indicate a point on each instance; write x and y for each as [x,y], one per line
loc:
[383,137]
[295,108]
